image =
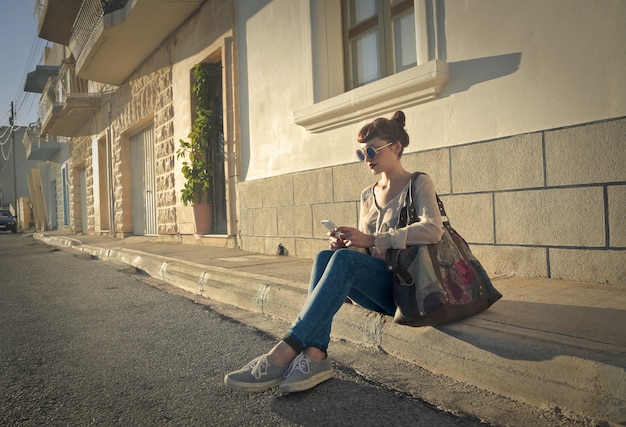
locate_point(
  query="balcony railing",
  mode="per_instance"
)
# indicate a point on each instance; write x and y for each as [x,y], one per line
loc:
[88,22]
[39,147]
[68,101]
[65,84]
[111,39]
[40,8]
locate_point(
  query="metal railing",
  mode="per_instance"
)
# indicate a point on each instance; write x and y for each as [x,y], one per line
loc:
[40,6]
[88,20]
[66,83]
[31,137]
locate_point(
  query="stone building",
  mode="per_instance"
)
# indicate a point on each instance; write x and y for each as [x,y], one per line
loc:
[516,109]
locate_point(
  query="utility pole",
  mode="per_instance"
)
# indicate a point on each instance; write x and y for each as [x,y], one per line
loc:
[12,121]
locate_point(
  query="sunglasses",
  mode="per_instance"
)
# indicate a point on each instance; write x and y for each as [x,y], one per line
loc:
[369,152]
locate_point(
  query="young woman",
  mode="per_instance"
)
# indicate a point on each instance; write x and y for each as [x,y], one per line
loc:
[299,361]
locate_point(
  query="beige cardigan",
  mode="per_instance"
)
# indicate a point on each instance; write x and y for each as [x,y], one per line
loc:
[382,221]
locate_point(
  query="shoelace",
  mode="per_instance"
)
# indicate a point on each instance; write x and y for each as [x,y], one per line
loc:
[300,363]
[259,366]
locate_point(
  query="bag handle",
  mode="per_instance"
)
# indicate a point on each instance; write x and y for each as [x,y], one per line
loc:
[409,214]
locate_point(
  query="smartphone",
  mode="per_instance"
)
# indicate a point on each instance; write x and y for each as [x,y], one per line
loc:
[329,224]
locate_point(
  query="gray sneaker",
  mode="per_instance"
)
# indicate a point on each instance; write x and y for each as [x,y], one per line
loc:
[258,375]
[305,373]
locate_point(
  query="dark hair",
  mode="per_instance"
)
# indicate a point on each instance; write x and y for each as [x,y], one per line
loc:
[391,130]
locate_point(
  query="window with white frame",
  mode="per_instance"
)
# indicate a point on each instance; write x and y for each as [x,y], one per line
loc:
[370,57]
[379,39]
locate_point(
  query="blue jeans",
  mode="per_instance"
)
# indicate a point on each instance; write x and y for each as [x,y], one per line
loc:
[335,276]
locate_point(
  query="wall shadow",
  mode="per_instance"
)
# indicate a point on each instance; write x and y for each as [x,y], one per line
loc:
[465,74]
[541,331]
[245,11]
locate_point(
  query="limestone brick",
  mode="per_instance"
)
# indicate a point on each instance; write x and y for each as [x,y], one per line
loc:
[265,222]
[596,266]
[472,216]
[271,245]
[312,187]
[254,244]
[164,114]
[294,221]
[164,132]
[277,191]
[170,228]
[345,213]
[504,164]
[349,181]
[251,194]
[308,248]
[594,153]
[246,221]
[435,163]
[166,198]
[166,215]
[617,216]
[551,217]
[512,260]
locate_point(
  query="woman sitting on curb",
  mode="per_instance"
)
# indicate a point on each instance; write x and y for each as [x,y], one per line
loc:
[299,361]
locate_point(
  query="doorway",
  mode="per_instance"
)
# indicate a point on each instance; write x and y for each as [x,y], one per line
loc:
[143,183]
[82,175]
[103,185]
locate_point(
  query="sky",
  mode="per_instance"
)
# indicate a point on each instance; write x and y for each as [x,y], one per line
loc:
[20,53]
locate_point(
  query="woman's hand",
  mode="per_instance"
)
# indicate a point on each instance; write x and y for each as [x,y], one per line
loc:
[334,237]
[352,237]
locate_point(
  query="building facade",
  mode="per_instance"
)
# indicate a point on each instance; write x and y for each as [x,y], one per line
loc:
[517,110]
[13,165]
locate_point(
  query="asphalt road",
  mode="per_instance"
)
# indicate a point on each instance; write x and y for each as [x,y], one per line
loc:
[83,342]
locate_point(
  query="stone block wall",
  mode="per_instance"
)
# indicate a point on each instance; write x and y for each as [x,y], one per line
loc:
[56,173]
[550,203]
[81,158]
[145,100]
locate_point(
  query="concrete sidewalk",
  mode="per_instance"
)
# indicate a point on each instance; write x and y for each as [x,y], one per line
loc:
[546,343]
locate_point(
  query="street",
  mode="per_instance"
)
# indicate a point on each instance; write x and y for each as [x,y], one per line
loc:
[86,343]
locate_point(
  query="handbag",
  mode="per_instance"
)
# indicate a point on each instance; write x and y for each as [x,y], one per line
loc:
[437,283]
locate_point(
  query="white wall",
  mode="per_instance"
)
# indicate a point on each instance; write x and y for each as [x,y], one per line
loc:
[515,67]
[274,76]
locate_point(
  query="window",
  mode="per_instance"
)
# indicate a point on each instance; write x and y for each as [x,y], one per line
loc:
[371,57]
[379,38]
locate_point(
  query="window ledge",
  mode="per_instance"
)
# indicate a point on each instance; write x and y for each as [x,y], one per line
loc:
[407,88]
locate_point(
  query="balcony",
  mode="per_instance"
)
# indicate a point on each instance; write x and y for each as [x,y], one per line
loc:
[111,38]
[38,148]
[68,103]
[36,80]
[55,18]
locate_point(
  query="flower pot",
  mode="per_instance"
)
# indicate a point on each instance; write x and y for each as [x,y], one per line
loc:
[203,215]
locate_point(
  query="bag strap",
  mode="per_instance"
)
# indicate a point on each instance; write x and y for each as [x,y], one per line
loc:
[408,215]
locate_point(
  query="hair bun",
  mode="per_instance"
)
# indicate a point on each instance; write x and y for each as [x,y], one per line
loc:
[399,117]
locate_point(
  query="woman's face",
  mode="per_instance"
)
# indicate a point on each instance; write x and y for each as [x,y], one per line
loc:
[378,154]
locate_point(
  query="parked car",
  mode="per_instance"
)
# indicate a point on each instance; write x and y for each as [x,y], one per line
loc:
[7,221]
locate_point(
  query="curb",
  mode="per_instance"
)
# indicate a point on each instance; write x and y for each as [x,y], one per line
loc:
[532,367]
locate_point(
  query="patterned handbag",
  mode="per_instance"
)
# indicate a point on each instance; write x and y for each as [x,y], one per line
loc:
[437,283]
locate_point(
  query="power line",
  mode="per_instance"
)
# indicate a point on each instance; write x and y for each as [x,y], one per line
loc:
[21,96]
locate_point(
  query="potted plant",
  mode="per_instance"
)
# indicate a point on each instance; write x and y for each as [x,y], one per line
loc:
[198,150]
